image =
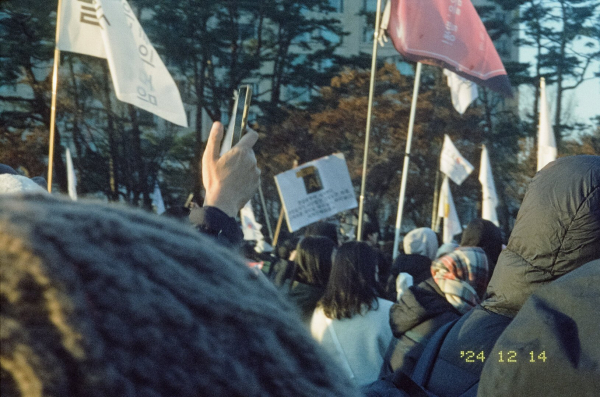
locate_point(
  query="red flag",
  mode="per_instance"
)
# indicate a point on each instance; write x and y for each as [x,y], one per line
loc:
[449,34]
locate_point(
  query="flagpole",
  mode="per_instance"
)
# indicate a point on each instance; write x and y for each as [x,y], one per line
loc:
[411,123]
[368,128]
[436,193]
[53,103]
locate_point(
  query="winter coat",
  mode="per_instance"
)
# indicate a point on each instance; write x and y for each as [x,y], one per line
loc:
[420,312]
[552,347]
[363,340]
[557,231]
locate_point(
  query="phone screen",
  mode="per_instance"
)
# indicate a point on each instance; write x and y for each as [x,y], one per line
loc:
[239,118]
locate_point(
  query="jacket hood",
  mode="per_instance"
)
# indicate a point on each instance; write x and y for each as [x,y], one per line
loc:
[422,241]
[557,230]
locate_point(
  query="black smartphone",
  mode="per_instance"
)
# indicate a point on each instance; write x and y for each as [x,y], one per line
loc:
[241,106]
[239,118]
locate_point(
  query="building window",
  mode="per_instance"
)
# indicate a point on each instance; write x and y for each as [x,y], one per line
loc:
[367,36]
[370,5]
[337,5]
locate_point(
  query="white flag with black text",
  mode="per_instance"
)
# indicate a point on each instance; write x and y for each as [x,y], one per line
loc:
[109,29]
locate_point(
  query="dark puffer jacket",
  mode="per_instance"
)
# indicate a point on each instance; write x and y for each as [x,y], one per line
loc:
[420,312]
[552,344]
[107,301]
[557,231]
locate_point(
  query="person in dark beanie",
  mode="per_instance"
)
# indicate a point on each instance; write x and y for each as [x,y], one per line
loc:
[103,301]
[324,229]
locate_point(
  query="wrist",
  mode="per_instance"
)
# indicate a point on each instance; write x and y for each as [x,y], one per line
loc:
[229,208]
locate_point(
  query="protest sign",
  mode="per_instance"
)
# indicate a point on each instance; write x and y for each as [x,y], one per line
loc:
[316,190]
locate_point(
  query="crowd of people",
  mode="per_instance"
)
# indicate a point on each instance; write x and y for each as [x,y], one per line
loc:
[102,300]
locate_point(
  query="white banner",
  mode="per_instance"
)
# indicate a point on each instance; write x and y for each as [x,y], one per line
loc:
[489,197]
[109,29]
[546,141]
[157,200]
[71,179]
[447,210]
[462,91]
[453,164]
[250,227]
[316,190]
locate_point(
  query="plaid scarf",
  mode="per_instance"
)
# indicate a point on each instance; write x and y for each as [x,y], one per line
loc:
[462,276]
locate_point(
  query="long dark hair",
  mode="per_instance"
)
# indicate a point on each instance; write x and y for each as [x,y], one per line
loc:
[313,260]
[352,284]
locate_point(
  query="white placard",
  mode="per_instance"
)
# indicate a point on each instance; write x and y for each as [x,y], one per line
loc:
[316,190]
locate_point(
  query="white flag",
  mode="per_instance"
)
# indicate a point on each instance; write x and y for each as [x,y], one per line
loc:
[546,141]
[489,197]
[71,179]
[463,91]
[109,29]
[453,164]
[157,200]
[250,227]
[447,210]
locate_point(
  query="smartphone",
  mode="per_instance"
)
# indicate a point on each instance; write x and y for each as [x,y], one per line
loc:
[239,117]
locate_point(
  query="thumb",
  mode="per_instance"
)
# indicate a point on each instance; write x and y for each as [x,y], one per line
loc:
[249,139]
[213,145]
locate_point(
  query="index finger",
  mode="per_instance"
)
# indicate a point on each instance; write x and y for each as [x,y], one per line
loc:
[213,145]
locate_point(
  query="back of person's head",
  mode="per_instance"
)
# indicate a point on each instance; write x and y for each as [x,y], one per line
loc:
[421,241]
[106,301]
[369,228]
[313,260]
[285,247]
[557,230]
[352,285]
[324,229]
[484,234]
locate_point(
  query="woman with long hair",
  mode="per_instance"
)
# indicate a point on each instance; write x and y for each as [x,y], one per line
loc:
[311,274]
[351,322]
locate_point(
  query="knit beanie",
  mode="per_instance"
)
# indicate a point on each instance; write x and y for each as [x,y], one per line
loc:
[106,301]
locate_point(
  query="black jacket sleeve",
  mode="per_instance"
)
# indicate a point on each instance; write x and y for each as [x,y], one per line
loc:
[214,222]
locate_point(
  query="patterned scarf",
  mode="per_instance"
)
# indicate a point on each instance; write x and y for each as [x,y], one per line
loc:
[462,276]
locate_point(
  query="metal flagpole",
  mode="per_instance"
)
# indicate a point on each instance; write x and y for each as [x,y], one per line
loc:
[411,123]
[368,128]
[436,193]
[53,103]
